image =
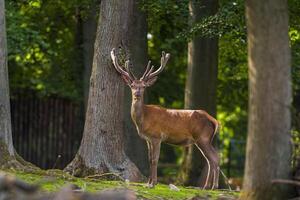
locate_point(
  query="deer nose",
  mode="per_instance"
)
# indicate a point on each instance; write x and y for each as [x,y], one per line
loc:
[137,94]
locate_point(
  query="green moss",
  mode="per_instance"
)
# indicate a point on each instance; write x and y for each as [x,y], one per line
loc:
[5,157]
[53,180]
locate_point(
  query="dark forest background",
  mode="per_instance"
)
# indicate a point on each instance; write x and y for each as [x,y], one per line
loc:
[50,51]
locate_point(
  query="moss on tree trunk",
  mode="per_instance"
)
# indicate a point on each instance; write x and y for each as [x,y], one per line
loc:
[8,161]
[5,156]
[79,169]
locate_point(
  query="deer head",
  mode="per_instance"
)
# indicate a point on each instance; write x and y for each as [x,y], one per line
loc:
[149,77]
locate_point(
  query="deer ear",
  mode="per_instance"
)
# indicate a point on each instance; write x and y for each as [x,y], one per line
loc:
[126,80]
[151,81]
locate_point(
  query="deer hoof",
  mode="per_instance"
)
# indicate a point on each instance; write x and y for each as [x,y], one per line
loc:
[150,185]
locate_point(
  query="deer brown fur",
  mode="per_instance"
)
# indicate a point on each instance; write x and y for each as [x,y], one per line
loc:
[156,124]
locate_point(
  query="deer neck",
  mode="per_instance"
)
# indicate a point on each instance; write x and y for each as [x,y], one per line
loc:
[137,112]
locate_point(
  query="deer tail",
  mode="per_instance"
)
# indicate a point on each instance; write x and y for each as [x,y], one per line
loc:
[217,127]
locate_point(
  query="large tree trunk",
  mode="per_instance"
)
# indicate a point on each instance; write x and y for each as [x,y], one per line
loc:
[6,144]
[269,141]
[201,85]
[136,147]
[102,145]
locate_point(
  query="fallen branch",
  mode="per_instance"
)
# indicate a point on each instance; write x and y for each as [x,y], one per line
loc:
[225,179]
[105,174]
[285,181]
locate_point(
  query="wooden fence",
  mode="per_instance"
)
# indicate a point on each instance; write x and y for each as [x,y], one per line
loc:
[46,131]
[236,158]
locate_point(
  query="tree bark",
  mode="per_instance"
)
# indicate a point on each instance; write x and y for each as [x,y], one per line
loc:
[136,147]
[102,145]
[6,144]
[269,142]
[201,85]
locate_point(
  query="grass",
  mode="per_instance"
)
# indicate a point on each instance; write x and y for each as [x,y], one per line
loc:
[54,180]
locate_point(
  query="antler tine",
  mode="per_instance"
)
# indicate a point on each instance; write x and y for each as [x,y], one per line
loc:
[129,71]
[163,61]
[117,66]
[147,69]
[149,72]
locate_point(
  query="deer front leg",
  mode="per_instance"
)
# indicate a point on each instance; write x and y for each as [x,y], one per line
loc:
[154,150]
[150,158]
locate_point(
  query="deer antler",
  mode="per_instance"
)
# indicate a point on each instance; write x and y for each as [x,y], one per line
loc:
[127,73]
[149,74]
[147,69]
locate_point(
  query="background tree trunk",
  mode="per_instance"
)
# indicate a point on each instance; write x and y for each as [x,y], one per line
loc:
[136,147]
[269,141]
[89,29]
[102,145]
[6,144]
[201,85]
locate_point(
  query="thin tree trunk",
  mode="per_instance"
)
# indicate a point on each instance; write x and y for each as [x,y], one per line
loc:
[6,144]
[269,141]
[102,145]
[201,85]
[8,157]
[89,28]
[136,147]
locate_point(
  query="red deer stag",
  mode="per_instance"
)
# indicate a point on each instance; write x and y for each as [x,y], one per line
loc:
[179,127]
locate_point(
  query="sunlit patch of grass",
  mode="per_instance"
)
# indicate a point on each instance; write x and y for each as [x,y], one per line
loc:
[54,180]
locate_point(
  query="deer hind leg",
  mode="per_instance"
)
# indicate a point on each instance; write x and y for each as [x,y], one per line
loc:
[217,167]
[206,170]
[212,159]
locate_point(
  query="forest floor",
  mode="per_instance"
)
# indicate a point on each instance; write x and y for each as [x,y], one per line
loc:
[54,180]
